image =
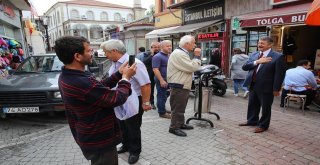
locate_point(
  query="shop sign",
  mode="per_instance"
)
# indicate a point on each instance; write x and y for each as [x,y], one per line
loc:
[7,10]
[277,20]
[278,2]
[204,12]
[208,36]
[235,23]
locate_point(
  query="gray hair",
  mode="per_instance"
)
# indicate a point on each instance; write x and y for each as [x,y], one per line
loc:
[185,39]
[114,44]
[164,42]
[267,39]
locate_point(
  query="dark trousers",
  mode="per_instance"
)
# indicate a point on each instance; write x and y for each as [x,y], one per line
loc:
[131,132]
[110,157]
[152,90]
[162,95]
[257,100]
[310,95]
[178,103]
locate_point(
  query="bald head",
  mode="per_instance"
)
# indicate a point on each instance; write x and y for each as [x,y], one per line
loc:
[166,46]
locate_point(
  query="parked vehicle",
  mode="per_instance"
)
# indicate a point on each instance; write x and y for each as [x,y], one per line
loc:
[33,86]
[214,80]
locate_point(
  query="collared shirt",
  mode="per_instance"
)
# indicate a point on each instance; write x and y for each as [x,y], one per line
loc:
[141,77]
[265,54]
[297,78]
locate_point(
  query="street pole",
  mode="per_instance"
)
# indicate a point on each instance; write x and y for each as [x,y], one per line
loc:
[47,38]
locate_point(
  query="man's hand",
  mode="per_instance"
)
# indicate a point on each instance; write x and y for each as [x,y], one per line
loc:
[276,93]
[128,72]
[163,84]
[146,107]
[124,65]
[197,52]
[264,60]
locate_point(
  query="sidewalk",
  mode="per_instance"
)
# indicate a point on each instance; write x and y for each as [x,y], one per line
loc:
[293,138]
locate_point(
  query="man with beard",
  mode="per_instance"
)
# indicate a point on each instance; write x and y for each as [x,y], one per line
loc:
[89,103]
[266,73]
[147,60]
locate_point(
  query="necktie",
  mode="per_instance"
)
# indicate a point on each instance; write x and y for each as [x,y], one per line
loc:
[254,75]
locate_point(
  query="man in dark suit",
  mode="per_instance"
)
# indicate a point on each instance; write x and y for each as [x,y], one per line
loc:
[266,73]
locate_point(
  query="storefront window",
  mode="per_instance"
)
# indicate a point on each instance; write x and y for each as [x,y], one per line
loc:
[253,40]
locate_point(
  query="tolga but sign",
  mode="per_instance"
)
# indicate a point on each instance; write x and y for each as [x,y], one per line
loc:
[276,20]
[278,2]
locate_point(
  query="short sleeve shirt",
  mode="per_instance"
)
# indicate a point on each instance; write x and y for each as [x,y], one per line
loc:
[160,61]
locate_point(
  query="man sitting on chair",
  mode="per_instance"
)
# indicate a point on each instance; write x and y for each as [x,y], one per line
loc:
[300,81]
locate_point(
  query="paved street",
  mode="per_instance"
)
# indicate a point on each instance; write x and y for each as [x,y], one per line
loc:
[293,138]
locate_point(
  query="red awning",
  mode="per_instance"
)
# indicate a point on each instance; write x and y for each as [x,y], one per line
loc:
[279,16]
[313,17]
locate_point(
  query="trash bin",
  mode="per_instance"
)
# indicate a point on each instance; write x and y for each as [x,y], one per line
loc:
[206,100]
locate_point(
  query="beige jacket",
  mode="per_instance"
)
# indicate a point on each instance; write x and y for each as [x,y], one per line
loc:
[180,69]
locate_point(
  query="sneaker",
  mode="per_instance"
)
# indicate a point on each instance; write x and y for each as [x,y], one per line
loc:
[166,115]
[236,95]
[245,95]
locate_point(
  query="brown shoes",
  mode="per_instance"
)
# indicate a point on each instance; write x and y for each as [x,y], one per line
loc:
[259,130]
[166,115]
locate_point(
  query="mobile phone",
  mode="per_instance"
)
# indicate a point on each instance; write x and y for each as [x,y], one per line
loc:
[131,60]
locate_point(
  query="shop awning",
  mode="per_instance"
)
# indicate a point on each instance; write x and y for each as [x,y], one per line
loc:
[191,27]
[159,32]
[286,15]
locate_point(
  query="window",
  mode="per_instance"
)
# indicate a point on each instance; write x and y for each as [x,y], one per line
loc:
[58,16]
[90,15]
[163,5]
[117,17]
[104,16]
[130,17]
[74,14]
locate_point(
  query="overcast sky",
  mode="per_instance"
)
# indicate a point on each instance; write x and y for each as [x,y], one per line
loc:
[43,5]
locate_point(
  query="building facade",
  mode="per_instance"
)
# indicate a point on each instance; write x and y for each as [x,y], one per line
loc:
[95,20]
[10,22]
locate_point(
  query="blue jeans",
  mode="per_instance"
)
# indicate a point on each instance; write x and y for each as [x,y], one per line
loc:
[238,83]
[162,95]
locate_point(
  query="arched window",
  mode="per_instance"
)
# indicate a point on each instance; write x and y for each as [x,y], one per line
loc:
[74,14]
[80,30]
[104,16]
[117,17]
[96,32]
[90,15]
[129,17]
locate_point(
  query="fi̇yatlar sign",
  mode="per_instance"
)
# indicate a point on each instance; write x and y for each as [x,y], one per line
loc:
[276,20]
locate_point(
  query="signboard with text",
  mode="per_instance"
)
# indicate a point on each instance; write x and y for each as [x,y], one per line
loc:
[208,11]
[276,20]
[210,36]
[278,2]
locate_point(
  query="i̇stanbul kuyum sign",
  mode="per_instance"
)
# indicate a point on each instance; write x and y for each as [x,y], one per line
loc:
[208,11]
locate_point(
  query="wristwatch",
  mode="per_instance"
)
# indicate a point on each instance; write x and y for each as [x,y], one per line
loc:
[146,103]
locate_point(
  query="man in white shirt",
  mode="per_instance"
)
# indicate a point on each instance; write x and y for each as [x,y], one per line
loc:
[300,80]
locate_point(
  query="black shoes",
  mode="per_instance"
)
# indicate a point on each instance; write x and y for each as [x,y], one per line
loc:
[133,158]
[187,127]
[122,150]
[177,131]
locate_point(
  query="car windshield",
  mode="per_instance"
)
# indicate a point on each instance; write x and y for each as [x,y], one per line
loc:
[40,64]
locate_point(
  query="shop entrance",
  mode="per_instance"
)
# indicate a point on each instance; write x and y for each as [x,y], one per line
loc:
[211,52]
[301,42]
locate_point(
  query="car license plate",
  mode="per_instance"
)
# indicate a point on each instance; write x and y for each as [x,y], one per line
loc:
[21,110]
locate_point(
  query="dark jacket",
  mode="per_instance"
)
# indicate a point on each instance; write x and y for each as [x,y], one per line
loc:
[148,63]
[270,76]
[89,108]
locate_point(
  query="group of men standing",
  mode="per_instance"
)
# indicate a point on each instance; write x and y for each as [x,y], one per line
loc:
[90,103]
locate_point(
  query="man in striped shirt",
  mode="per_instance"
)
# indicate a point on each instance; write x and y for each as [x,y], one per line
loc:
[89,103]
